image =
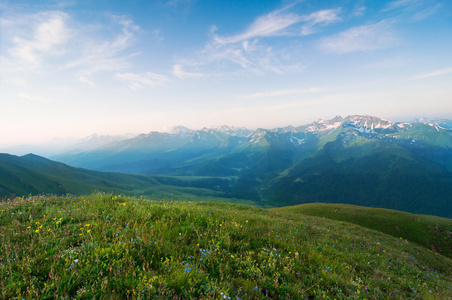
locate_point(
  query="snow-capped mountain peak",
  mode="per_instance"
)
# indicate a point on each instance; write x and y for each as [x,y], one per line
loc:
[180,130]
[369,124]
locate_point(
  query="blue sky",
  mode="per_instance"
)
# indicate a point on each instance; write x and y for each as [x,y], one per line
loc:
[74,68]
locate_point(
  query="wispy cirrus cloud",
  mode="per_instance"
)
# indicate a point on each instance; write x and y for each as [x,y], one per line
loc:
[400,4]
[248,49]
[321,17]
[280,23]
[361,38]
[138,80]
[268,25]
[414,10]
[435,73]
[426,12]
[107,55]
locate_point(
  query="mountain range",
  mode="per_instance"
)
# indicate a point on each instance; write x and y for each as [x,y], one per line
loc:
[358,159]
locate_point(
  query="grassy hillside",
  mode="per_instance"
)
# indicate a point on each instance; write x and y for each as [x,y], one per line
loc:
[32,174]
[431,232]
[117,247]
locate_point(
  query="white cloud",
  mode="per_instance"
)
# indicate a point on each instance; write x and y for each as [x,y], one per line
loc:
[181,74]
[136,80]
[44,33]
[435,73]
[361,38]
[86,81]
[281,93]
[31,43]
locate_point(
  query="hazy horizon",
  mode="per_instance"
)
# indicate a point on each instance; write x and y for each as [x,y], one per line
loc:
[58,145]
[75,68]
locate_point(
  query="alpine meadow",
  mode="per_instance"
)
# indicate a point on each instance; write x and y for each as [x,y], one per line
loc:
[209,149]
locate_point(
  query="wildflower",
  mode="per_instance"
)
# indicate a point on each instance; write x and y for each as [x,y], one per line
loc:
[87,225]
[28,227]
[89,230]
[37,230]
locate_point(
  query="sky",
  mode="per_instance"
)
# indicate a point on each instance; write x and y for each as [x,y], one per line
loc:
[73,68]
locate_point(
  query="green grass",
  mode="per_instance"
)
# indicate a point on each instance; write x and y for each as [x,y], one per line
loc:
[428,231]
[116,247]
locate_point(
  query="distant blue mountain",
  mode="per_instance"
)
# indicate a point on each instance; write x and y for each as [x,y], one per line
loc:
[361,160]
